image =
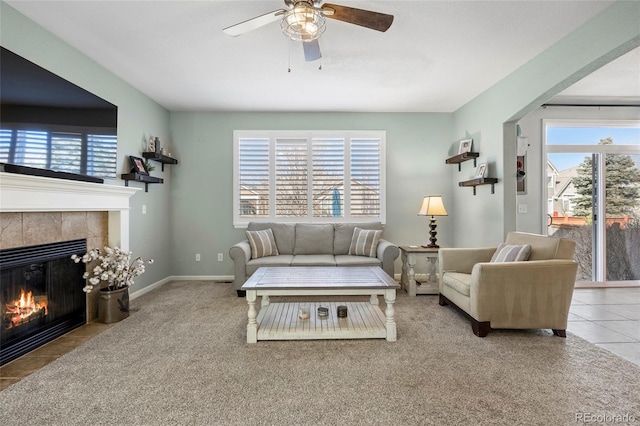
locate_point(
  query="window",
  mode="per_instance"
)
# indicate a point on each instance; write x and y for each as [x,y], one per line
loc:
[72,150]
[308,176]
[597,194]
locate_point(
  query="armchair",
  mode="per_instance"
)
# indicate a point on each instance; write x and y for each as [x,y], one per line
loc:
[518,294]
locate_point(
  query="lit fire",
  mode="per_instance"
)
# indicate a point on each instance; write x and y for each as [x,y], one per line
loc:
[20,310]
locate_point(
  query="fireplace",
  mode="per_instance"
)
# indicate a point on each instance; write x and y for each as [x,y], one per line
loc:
[41,295]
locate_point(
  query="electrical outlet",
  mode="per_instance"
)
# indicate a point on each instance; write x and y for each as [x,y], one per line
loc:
[220,257]
[522,208]
[197,257]
[144,209]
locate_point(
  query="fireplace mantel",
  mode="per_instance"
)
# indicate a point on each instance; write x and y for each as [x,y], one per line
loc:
[25,193]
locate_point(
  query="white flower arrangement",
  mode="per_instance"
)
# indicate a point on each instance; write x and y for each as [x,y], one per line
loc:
[115,267]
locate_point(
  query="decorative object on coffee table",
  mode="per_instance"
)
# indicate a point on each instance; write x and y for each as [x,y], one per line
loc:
[433,206]
[117,270]
[341,311]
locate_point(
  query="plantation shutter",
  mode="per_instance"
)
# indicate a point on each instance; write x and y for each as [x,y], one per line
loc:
[66,152]
[291,179]
[32,148]
[314,176]
[328,177]
[365,177]
[102,155]
[253,177]
[5,144]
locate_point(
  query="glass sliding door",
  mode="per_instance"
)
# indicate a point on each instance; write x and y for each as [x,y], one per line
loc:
[622,227]
[593,197]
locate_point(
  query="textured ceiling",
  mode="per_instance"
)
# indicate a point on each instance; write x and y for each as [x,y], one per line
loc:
[436,56]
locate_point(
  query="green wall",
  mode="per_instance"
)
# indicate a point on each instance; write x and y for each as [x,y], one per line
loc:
[201,192]
[490,118]
[138,117]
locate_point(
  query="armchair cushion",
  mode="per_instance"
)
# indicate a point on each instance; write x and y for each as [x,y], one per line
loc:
[365,242]
[511,253]
[262,243]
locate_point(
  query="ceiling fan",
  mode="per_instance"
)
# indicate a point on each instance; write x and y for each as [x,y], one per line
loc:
[304,20]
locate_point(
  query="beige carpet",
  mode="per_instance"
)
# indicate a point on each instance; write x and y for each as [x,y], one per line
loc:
[181,359]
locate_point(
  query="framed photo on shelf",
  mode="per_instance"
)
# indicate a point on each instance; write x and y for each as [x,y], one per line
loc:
[465,146]
[137,165]
[482,171]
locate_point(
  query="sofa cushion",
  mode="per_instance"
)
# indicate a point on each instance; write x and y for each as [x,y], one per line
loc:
[313,260]
[511,253]
[262,243]
[542,247]
[280,260]
[365,242]
[344,234]
[346,260]
[284,234]
[313,239]
[458,281]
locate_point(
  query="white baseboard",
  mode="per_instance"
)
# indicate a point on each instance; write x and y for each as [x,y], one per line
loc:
[158,284]
[201,278]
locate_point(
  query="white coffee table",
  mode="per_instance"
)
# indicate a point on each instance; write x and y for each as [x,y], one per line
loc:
[280,321]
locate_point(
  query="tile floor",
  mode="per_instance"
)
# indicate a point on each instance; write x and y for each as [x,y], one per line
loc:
[609,318]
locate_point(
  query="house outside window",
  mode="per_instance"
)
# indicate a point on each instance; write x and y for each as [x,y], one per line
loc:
[309,176]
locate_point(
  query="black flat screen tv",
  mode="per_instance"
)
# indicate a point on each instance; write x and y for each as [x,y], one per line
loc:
[51,127]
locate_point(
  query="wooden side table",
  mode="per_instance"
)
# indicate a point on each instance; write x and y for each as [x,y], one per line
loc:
[408,277]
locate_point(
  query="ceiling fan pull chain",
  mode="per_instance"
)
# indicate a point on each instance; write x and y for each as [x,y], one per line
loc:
[289,67]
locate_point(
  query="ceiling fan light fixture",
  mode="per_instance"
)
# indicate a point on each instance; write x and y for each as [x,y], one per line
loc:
[303,23]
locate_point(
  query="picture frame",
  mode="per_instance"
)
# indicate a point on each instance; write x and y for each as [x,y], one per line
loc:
[482,171]
[137,165]
[465,146]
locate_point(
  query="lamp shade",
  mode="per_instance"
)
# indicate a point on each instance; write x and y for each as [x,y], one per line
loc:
[432,205]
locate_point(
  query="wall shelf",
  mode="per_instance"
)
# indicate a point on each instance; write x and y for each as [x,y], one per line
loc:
[161,158]
[480,181]
[461,158]
[140,178]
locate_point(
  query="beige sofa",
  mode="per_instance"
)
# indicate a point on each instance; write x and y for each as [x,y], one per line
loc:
[532,294]
[303,244]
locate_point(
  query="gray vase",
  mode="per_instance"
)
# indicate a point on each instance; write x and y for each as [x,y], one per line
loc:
[113,305]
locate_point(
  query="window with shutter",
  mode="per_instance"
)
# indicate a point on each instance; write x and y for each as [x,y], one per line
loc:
[315,176]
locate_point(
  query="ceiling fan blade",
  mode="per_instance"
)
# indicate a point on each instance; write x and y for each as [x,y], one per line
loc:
[311,50]
[254,23]
[365,18]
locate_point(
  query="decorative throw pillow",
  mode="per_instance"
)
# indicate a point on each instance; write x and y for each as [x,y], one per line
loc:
[511,253]
[364,242]
[262,243]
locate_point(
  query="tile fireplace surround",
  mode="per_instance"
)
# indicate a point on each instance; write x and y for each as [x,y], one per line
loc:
[36,210]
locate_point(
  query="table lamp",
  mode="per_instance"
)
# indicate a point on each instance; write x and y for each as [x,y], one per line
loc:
[433,206]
